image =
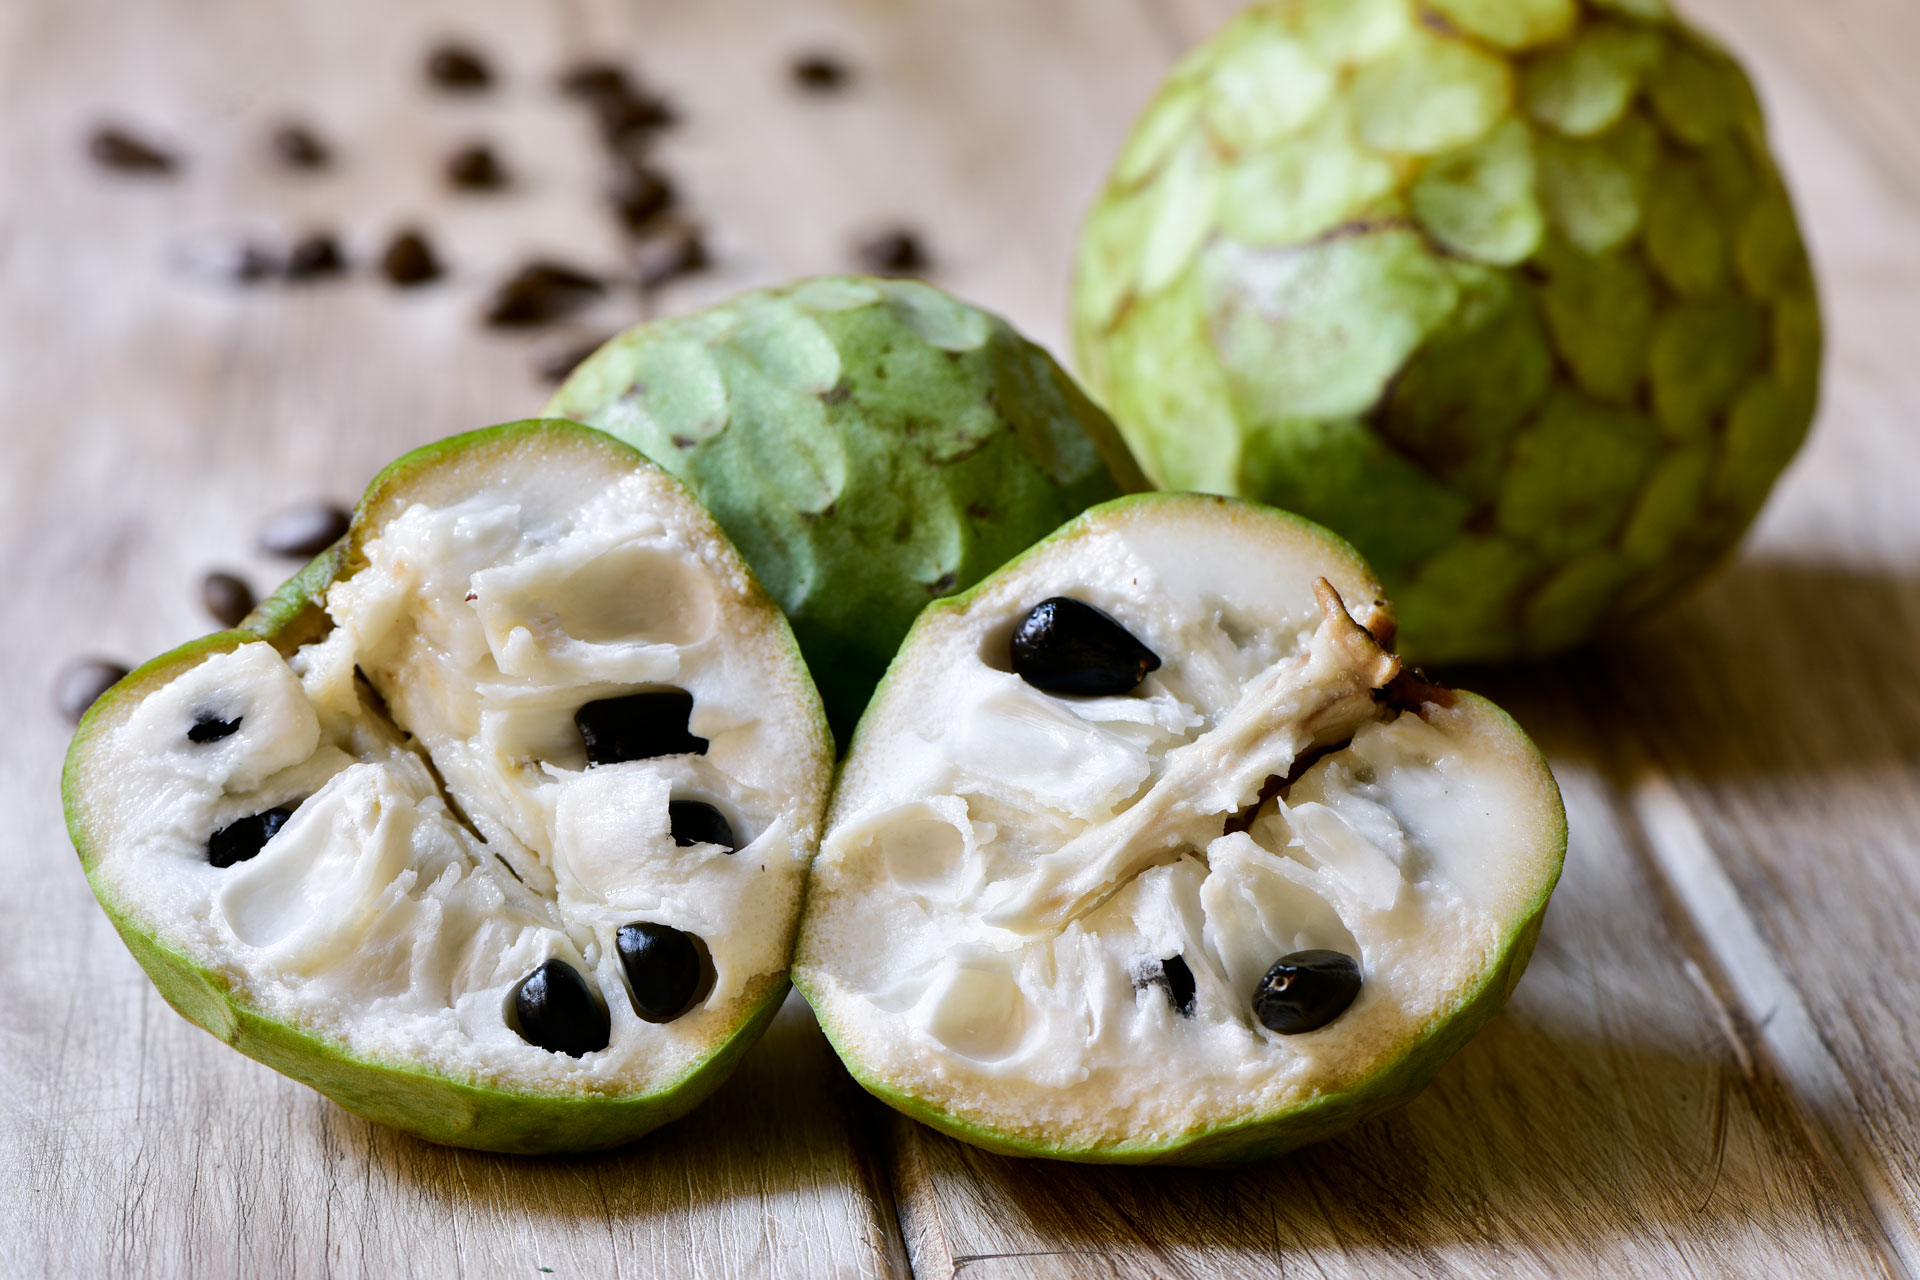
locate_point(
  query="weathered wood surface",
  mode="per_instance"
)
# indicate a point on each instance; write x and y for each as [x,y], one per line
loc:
[1710,1068]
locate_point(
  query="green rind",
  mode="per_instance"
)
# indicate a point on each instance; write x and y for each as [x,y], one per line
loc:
[869,445]
[1258,1137]
[431,1106]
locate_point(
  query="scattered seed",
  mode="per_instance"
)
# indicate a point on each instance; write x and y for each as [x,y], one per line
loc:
[304,530]
[1174,977]
[298,147]
[672,248]
[592,80]
[409,259]
[627,115]
[1068,646]
[227,597]
[314,257]
[638,726]
[696,822]
[894,252]
[476,168]
[239,841]
[458,67]
[81,682]
[663,967]
[639,194]
[539,293]
[1305,990]
[557,363]
[113,147]
[557,1011]
[820,73]
[229,259]
[211,728]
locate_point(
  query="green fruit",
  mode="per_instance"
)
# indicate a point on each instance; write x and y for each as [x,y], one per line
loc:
[1508,292]
[413,834]
[1097,925]
[869,445]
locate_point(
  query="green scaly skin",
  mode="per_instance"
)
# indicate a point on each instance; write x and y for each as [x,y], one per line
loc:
[424,1103]
[1260,1137]
[868,445]
[1509,292]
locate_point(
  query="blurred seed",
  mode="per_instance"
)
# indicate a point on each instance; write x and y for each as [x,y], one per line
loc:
[476,168]
[592,79]
[639,194]
[673,247]
[81,682]
[227,258]
[820,73]
[409,259]
[458,67]
[306,530]
[227,597]
[557,363]
[627,115]
[315,256]
[113,147]
[298,147]
[894,252]
[539,293]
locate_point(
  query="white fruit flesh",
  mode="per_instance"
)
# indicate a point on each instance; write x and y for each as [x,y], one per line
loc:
[397,924]
[1006,869]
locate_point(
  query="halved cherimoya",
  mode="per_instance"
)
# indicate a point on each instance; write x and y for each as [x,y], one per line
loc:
[491,825]
[1149,850]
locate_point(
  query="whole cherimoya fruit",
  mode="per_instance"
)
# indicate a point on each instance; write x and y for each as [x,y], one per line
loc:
[1508,292]
[1148,850]
[869,445]
[490,825]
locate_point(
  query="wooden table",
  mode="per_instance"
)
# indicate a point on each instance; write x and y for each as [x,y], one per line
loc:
[1710,1068]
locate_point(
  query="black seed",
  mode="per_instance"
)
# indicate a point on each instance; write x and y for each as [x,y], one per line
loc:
[1173,977]
[673,247]
[695,822]
[539,293]
[557,1011]
[238,841]
[115,148]
[304,531]
[227,597]
[80,684]
[299,147]
[555,365]
[409,259]
[638,726]
[1306,990]
[894,252]
[628,116]
[591,80]
[211,728]
[458,67]
[638,194]
[1068,646]
[315,256]
[476,168]
[820,72]
[663,967]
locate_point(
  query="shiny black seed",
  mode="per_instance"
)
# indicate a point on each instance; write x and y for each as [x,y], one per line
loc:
[304,531]
[211,728]
[539,293]
[1306,990]
[1173,977]
[639,726]
[227,597]
[895,252]
[1068,646]
[820,72]
[238,841]
[315,256]
[672,247]
[457,67]
[639,194]
[116,148]
[558,1012]
[80,684]
[409,259]
[476,168]
[299,147]
[695,822]
[663,966]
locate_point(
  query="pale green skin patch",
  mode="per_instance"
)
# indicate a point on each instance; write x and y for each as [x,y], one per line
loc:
[869,445]
[1512,284]
[406,1097]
